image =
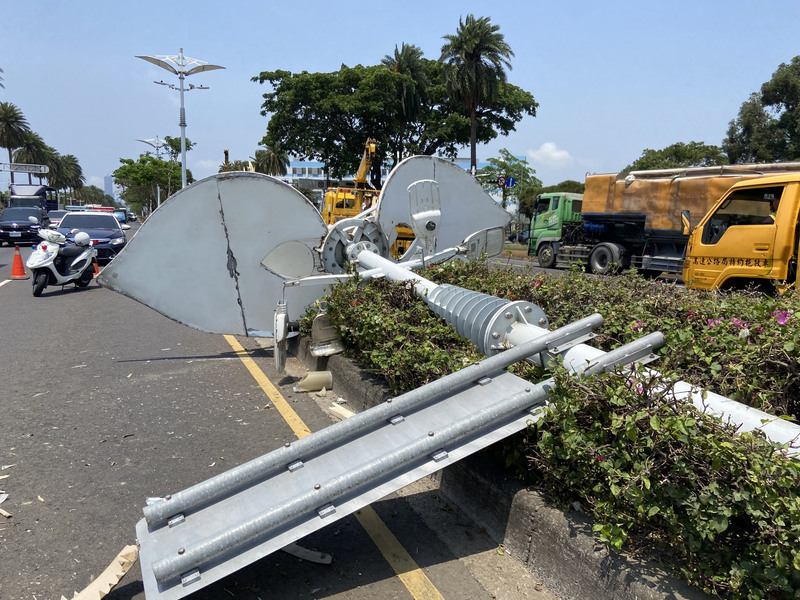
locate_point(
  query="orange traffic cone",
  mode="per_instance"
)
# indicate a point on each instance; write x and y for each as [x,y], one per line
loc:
[96,268]
[18,270]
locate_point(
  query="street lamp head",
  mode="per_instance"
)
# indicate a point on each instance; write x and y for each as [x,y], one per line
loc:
[155,143]
[177,65]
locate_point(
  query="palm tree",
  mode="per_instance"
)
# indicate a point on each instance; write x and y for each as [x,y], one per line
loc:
[13,127]
[65,173]
[271,161]
[474,59]
[73,172]
[408,61]
[53,162]
[32,151]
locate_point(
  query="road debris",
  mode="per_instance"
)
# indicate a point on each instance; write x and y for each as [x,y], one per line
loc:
[109,578]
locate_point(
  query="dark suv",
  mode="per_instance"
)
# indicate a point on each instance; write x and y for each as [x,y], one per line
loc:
[16,227]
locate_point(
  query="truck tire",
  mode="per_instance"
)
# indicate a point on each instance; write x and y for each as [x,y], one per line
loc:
[604,258]
[546,256]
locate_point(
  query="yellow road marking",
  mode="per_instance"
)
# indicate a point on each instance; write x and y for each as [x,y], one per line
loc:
[406,568]
[415,580]
[287,412]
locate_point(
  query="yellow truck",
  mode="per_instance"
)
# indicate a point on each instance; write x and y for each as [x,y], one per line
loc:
[642,219]
[748,238]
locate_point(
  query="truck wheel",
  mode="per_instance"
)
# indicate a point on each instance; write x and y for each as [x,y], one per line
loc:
[546,256]
[603,258]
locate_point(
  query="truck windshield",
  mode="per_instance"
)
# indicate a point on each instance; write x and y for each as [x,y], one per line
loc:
[543,205]
[20,214]
[748,206]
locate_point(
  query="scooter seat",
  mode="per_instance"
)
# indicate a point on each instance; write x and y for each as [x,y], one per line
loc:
[71,251]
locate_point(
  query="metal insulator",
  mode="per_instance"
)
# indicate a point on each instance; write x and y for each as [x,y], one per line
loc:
[469,312]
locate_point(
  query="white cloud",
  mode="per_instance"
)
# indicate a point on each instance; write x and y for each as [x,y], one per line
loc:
[550,155]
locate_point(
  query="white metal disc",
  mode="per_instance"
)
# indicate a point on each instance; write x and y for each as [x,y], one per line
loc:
[465,207]
[216,254]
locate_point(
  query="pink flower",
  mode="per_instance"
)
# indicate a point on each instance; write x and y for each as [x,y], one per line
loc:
[713,322]
[781,316]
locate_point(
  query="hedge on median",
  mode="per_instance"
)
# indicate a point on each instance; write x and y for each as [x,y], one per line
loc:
[659,478]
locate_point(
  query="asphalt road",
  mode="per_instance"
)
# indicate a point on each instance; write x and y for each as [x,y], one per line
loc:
[104,403]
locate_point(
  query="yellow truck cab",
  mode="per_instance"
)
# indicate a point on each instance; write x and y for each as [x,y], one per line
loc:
[749,237]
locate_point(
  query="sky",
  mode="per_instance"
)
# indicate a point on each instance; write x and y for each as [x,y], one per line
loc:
[611,78]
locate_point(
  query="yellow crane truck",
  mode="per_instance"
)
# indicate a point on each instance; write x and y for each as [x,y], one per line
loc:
[346,202]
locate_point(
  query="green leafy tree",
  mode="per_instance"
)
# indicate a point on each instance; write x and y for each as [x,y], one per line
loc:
[172,145]
[693,154]
[13,128]
[328,116]
[767,128]
[139,180]
[508,165]
[91,194]
[476,58]
[781,94]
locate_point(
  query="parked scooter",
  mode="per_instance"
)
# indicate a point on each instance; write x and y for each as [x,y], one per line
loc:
[55,262]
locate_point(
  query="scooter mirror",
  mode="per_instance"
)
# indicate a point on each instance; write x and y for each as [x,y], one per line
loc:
[33,220]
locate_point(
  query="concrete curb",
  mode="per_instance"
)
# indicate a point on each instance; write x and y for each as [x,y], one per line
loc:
[556,546]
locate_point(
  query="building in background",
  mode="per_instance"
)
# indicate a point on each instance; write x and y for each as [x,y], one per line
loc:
[108,186]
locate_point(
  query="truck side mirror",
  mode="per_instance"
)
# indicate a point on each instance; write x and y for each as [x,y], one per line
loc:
[686,222]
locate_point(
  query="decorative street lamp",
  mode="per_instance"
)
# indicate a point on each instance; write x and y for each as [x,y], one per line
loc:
[177,65]
[157,144]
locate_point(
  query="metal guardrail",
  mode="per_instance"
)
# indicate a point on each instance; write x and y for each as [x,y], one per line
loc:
[195,537]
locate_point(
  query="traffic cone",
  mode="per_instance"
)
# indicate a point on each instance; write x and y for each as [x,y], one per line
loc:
[96,268]
[18,270]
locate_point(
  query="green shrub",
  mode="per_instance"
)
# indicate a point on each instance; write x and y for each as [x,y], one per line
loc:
[658,477]
[662,479]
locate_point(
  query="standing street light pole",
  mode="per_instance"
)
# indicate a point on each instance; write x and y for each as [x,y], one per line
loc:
[157,144]
[177,65]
